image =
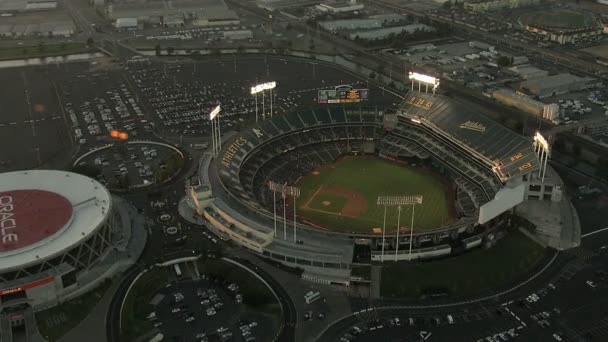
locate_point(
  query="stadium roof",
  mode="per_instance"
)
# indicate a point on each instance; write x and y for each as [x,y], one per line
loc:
[510,154]
[51,212]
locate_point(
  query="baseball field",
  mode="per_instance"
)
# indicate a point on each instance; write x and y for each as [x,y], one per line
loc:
[342,196]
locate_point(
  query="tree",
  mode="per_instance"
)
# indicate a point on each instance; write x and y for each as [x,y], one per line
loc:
[157,49]
[503,61]
[90,42]
[447,4]
[170,50]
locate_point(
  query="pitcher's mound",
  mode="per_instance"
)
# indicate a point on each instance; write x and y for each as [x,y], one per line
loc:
[326,203]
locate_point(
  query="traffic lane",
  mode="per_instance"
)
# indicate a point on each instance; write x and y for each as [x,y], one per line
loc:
[596,241]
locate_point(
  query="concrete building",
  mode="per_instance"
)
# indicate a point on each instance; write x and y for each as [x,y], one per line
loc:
[388,31]
[238,34]
[554,85]
[528,72]
[495,5]
[339,7]
[373,22]
[527,104]
[565,36]
[16,6]
[126,23]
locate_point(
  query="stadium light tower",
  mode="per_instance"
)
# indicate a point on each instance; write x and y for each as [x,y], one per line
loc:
[398,201]
[543,152]
[260,88]
[216,135]
[285,191]
[424,79]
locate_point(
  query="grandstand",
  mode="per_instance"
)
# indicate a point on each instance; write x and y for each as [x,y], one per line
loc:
[479,157]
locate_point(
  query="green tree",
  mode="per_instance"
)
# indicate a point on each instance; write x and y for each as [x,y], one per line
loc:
[157,49]
[447,4]
[170,50]
[503,61]
[90,42]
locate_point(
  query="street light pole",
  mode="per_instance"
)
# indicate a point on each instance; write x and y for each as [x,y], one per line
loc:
[397,244]
[383,232]
[411,232]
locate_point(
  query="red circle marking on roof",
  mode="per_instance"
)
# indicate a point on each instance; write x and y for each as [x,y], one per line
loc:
[30,216]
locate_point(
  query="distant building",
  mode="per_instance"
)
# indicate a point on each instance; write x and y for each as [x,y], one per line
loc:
[55,28]
[568,36]
[126,23]
[495,5]
[339,7]
[373,22]
[238,34]
[15,6]
[558,84]
[527,104]
[528,72]
[387,31]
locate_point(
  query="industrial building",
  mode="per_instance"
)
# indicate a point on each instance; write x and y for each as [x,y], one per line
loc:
[527,104]
[13,27]
[18,6]
[238,34]
[528,72]
[373,22]
[175,13]
[554,85]
[495,5]
[568,36]
[335,7]
[385,32]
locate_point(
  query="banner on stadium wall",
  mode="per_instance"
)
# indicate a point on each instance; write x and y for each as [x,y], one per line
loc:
[27,286]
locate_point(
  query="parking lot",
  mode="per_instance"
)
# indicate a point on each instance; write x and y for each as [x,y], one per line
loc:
[97,103]
[182,95]
[134,164]
[208,310]
[31,118]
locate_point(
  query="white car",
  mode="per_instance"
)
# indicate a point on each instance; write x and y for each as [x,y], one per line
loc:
[591,284]
[557,337]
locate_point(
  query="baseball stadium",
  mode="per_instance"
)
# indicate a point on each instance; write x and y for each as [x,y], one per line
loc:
[314,187]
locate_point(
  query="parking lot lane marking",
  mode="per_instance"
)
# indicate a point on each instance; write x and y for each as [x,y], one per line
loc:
[12,123]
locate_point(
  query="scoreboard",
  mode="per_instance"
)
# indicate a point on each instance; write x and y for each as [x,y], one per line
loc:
[342,95]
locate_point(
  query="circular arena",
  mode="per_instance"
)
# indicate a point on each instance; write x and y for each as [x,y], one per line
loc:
[466,169]
[55,225]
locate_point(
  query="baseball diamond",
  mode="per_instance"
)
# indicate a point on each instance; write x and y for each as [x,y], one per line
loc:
[342,196]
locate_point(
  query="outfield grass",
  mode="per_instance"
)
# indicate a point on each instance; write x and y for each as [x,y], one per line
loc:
[55,322]
[372,177]
[45,50]
[466,274]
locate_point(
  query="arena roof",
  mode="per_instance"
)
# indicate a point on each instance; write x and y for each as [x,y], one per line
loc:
[45,212]
[508,152]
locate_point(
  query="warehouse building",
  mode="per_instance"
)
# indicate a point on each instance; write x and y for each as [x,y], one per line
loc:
[568,36]
[61,28]
[17,6]
[528,72]
[554,85]
[386,32]
[373,22]
[527,104]
[339,7]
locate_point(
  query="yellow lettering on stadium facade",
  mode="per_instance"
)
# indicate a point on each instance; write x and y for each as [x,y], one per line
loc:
[232,150]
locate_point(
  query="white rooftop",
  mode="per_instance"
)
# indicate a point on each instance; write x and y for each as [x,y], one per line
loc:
[90,202]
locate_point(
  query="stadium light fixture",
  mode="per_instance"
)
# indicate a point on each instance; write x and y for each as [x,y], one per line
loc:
[542,148]
[398,201]
[285,191]
[424,79]
[216,136]
[260,88]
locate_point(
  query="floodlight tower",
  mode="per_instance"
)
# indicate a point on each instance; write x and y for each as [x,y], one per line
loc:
[542,148]
[399,202]
[260,88]
[424,79]
[216,135]
[285,191]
